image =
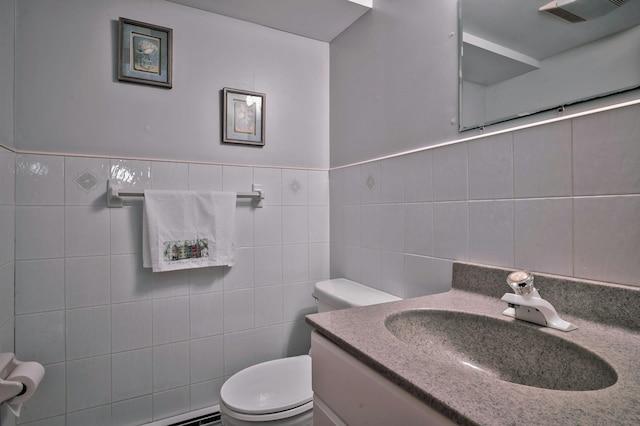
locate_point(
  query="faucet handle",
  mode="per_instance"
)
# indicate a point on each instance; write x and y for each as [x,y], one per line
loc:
[521,282]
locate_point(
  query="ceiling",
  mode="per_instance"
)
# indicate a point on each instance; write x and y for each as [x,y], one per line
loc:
[317,19]
[506,38]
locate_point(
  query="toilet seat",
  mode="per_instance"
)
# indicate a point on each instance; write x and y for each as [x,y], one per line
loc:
[269,391]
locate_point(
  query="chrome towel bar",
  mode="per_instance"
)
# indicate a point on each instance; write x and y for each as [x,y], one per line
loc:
[115,195]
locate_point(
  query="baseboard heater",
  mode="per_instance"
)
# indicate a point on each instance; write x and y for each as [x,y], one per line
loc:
[204,417]
[206,420]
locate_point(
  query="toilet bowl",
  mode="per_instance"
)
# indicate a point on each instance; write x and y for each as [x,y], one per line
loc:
[279,391]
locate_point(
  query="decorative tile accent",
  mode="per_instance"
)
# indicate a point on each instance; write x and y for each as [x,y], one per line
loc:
[87,180]
[371,182]
[295,186]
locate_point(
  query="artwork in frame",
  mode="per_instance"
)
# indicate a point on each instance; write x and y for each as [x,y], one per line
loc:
[144,53]
[243,117]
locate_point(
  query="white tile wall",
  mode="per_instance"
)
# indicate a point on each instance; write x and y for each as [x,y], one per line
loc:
[236,178]
[544,235]
[85,180]
[131,326]
[450,173]
[39,180]
[238,351]
[491,232]
[126,235]
[170,320]
[88,332]
[319,261]
[268,305]
[131,374]
[236,317]
[607,238]
[418,228]
[7,183]
[561,198]
[135,411]
[86,231]
[7,229]
[50,399]
[392,229]
[542,161]
[241,275]
[170,403]
[87,281]
[205,177]
[451,230]
[418,181]
[99,416]
[268,343]
[369,184]
[7,263]
[39,286]
[370,225]
[271,181]
[88,382]
[205,315]
[121,344]
[426,275]
[268,226]
[206,359]
[318,186]
[296,259]
[392,180]
[166,175]
[569,207]
[295,188]
[41,337]
[39,232]
[170,366]
[491,168]
[295,224]
[606,153]
[205,394]
[268,265]
[134,175]
[370,267]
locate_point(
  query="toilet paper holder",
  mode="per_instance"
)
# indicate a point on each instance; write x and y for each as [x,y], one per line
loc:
[17,391]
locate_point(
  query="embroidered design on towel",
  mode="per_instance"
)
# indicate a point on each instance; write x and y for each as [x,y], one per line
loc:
[186,249]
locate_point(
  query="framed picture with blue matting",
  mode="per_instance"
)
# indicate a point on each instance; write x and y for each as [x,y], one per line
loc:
[243,117]
[144,53]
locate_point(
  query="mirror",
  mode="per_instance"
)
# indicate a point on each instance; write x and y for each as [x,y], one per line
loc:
[516,60]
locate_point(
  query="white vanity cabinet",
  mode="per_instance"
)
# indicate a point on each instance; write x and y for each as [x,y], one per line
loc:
[347,392]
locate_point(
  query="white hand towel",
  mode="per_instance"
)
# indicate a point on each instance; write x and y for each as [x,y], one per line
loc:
[188,229]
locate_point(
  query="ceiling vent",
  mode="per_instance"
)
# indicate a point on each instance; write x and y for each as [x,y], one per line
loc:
[581,10]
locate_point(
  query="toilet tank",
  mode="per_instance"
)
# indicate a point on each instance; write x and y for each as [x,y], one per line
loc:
[341,293]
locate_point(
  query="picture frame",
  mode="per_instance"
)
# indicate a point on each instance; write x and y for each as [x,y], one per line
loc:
[144,53]
[243,117]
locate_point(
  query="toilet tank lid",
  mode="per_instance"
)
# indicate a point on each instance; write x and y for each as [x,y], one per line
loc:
[344,293]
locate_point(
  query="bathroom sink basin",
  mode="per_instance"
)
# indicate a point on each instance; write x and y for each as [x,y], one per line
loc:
[507,350]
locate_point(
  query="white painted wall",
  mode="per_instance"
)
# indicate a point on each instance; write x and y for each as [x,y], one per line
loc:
[7,191]
[7,25]
[570,208]
[68,98]
[394,80]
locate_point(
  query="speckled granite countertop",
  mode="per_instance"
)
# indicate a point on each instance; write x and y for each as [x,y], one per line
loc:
[468,396]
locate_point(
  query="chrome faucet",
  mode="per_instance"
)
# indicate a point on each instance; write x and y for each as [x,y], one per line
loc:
[527,305]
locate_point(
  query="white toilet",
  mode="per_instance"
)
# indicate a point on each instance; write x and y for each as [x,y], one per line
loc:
[279,391]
